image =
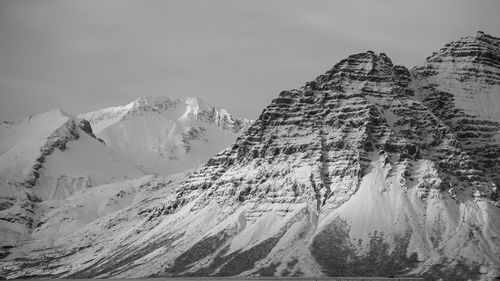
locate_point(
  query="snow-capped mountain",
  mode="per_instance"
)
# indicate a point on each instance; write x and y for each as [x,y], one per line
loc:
[164,135]
[368,170]
[47,158]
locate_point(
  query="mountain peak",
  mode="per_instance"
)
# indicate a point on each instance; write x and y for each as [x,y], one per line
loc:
[360,66]
[480,35]
[199,104]
[152,103]
[354,71]
[363,62]
[160,99]
[54,113]
[196,108]
[58,111]
[465,60]
[478,48]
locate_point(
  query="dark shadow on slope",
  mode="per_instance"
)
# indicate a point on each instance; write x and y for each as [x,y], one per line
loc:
[224,264]
[197,252]
[334,251]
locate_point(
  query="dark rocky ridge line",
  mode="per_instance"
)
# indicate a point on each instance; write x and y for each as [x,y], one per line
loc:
[58,140]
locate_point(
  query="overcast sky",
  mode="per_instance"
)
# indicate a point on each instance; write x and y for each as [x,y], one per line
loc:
[84,55]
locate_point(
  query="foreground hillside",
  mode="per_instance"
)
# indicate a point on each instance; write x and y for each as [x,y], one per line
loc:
[369,170]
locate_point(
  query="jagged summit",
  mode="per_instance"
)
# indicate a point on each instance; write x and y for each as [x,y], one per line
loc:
[473,46]
[470,66]
[196,106]
[356,70]
[152,103]
[189,108]
[467,57]
[363,63]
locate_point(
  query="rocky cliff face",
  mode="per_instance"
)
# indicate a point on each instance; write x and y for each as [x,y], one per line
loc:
[164,135]
[368,170]
[460,84]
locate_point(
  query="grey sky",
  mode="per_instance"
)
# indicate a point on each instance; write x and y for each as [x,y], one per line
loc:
[88,54]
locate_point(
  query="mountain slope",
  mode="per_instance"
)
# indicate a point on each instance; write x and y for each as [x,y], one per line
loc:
[460,83]
[361,172]
[166,136]
[49,157]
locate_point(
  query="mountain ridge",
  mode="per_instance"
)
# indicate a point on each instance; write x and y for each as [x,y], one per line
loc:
[165,135]
[157,103]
